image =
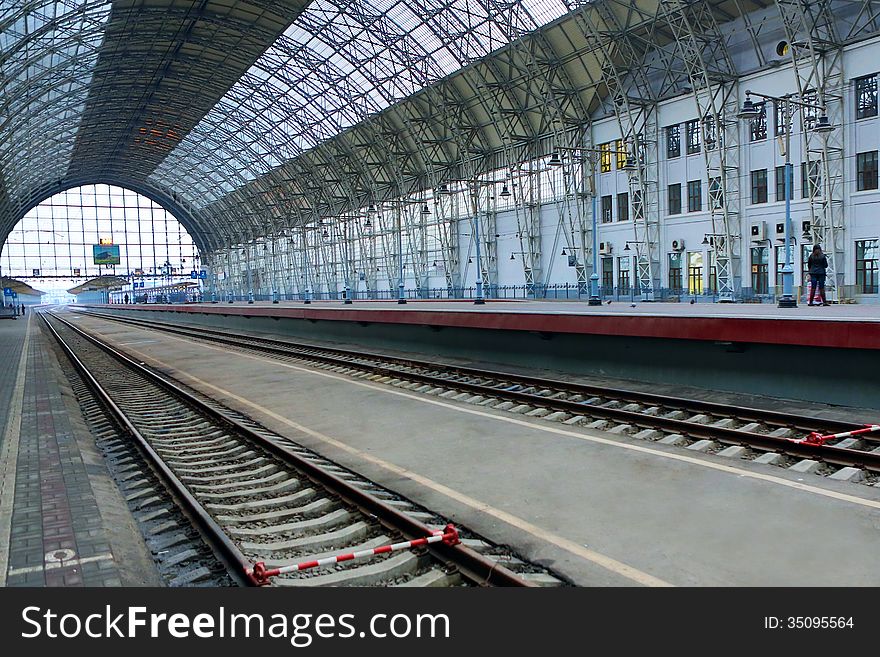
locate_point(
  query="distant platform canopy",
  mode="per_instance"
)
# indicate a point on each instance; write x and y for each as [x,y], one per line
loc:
[99,283]
[19,287]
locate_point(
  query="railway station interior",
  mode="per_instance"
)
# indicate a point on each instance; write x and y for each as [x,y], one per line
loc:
[432,293]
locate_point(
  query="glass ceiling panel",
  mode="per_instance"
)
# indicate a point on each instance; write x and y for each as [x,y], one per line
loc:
[49,52]
[338,63]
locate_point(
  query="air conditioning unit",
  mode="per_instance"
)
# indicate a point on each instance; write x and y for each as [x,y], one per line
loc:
[678,245]
[780,229]
[807,229]
[758,231]
[605,248]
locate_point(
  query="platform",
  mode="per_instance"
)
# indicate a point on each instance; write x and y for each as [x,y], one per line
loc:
[62,520]
[597,508]
[850,326]
[818,354]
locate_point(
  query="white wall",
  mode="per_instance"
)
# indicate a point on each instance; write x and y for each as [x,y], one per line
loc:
[861,209]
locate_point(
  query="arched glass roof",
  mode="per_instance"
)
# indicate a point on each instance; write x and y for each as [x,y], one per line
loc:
[242,115]
[339,62]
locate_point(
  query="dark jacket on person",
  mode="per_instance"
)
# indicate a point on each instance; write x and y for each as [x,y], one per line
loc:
[817,265]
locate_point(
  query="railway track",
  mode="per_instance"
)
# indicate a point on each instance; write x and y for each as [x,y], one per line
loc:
[260,498]
[763,435]
[180,554]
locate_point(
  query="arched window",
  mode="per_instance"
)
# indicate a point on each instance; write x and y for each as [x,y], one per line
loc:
[98,230]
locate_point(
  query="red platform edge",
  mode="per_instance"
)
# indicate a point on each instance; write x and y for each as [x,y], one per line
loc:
[843,334]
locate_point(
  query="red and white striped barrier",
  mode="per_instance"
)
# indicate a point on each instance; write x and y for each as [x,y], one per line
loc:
[817,438]
[261,574]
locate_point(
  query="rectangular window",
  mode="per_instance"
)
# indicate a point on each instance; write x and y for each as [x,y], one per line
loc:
[673,141]
[604,158]
[692,133]
[623,207]
[695,272]
[711,136]
[759,270]
[810,114]
[780,122]
[674,196]
[866,266]
[608,275]
[866,97]
[675,272]
[713,273]
[780,262]
[780,184]
[606,210]
[866,171]
[695,198]
[759,186]
[716,193]
[811,184]
[620,147]
[623,284]
[806,249]
[758,125]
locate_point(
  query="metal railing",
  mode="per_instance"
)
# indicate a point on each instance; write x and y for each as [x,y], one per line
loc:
[555,292]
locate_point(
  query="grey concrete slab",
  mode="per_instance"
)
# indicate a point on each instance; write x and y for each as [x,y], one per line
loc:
[770,458]
[734,451]
[579,501]
[702,446]
[849,474]
[807,466]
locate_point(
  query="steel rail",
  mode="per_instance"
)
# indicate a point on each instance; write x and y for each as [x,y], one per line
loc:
[773,418]
[470,563]
[841,456]
[228,553]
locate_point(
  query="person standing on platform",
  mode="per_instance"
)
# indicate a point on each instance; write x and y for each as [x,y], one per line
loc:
[22,310]
[817,265]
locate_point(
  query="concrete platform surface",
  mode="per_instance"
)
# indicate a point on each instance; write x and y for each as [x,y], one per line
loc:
[837,312]
[62,520]
[599,509]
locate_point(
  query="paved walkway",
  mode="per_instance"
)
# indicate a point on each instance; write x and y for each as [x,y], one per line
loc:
[52,531]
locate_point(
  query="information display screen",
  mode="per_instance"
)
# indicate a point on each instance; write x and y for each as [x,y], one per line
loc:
[105,254]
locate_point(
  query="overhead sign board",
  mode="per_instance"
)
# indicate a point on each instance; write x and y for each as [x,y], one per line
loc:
[105,254]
